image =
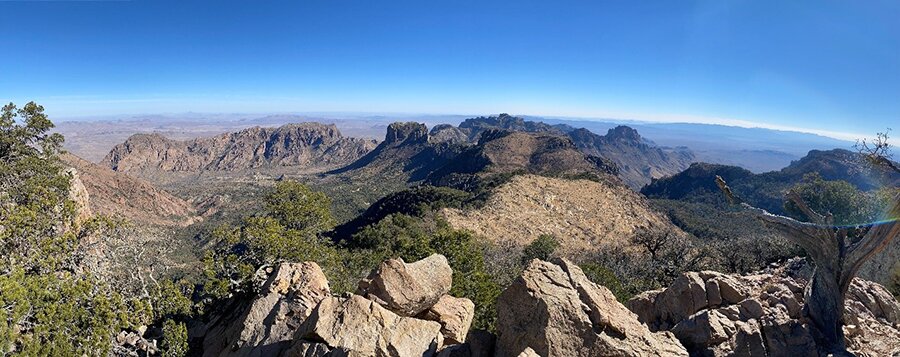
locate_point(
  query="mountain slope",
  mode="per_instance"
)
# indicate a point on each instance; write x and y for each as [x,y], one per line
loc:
[582,214]
[116,194]
[307,146]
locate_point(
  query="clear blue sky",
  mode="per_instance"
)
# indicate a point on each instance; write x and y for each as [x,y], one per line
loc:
[829,66]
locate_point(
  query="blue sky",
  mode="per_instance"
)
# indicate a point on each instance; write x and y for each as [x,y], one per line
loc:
[830,67]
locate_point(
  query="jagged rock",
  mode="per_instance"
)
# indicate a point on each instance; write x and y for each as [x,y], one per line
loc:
[446,133]
[455,316]
[364,328]
[555,310]
[267,326]
[406,132]
[78,193]
[408,288]
[761,315]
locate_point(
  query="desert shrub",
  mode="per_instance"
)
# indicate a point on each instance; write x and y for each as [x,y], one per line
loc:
[289,230]
[541,248]
[416,201]
[297,207]
[845,202]
[175,339]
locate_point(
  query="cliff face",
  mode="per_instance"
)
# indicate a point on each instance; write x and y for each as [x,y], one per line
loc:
[310,146]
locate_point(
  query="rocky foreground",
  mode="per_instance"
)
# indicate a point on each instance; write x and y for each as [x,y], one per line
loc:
[552,309]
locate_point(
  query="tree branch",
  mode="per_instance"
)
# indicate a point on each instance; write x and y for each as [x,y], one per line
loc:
[806,235]
[813,216]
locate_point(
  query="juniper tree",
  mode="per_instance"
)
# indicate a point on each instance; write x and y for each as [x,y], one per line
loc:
[837,255]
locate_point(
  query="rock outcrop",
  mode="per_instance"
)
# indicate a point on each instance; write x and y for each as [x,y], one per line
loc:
[715,314]
[405,312]
[268,324]
[79,195]
[364,328]
[408,288]
[554,310]
[638,160]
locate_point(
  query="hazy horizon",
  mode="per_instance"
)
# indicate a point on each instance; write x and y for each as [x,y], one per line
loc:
[829,69]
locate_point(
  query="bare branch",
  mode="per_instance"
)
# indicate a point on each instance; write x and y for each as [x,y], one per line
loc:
[813,216]
[727,191]
[806,235]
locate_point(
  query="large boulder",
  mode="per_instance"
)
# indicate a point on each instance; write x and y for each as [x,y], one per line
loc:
[267,325]
[357,326]
[761,314]
[554,310]
[455,316]
[408,289]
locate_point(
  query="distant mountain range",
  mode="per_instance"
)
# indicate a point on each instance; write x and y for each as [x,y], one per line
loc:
[410,149]
[766,190]
[306,146]
[756,149]
[638,160]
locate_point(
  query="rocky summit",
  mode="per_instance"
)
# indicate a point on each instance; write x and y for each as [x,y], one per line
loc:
[552,309]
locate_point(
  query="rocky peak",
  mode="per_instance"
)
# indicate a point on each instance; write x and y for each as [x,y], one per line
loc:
[623,132]
[406,132]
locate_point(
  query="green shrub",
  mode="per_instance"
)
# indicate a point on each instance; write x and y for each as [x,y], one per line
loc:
[541,248]
[175,339]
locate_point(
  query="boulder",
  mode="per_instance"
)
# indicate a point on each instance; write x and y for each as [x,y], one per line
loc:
[361,327]
[762,314]
[554,310]
[704,329]
[408,289]
[455,316]
[267,324]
